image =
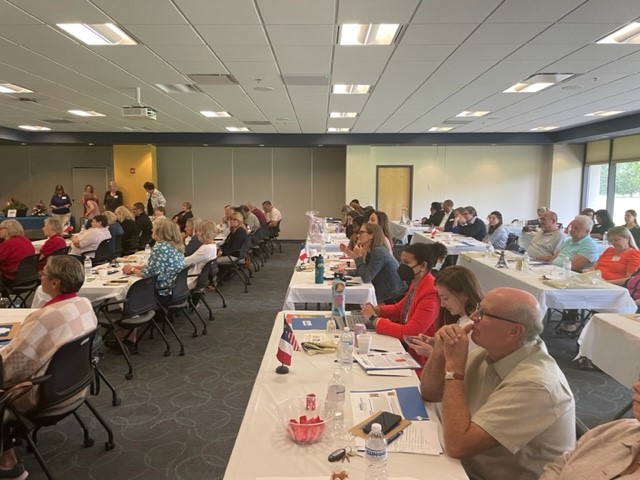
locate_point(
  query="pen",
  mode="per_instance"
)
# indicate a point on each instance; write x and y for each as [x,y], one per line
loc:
[378,350]
[395,437]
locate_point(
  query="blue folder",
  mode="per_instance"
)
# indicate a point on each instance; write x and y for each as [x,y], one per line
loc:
[309,323]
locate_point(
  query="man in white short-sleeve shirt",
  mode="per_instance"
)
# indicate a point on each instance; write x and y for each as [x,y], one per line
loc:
[272,213]
[546,242]
[507,409]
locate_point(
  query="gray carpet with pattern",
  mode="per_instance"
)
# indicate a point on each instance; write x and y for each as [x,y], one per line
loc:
[179,415]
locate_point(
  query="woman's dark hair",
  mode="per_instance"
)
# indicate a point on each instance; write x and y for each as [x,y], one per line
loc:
[603,218]
[422,252]
[60,188]
[459,281]
[436,206]
[383,221]
[634,215]
[492,228]
[149,186]
[101,219]
[588,212]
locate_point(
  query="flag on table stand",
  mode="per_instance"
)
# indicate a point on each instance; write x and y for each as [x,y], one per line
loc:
[303,254]
[287,345]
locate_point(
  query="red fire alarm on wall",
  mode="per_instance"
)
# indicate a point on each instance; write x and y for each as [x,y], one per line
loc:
[132,171]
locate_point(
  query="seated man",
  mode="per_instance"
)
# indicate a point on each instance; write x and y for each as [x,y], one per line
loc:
[608,451]
[506,407]
[64,318]
[580,248]
[143,225]
[88,240]
[272,214]
[546,241]
[446,222]
[473,226]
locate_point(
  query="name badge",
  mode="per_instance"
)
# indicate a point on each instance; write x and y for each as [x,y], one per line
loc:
[615,259]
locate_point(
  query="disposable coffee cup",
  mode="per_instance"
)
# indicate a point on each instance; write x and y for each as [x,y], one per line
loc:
[364,343]
[103,274]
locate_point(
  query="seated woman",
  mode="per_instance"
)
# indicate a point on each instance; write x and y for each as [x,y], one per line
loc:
[55,241]
[115,229]
[603,223]
[631,222]
[497,233]
[380,218]
[158,214]
[621,259]
[436,214]
[352,233]
[374,264]
[30,351]
[237,234]
[460,293]
[205,253]
[190,237]
[183,215]
[416,313]
[130,231]
[166,258]
[14,248]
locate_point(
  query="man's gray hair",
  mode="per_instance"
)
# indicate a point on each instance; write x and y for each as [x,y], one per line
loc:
[529,317]
[585,221]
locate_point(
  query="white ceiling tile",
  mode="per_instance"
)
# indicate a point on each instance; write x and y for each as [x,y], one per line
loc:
[258,68]
[63,11]
[297,12]
[174,35]
[358,53]
[437,34]
[547,52]
[141,12]
[301,34]
[191,68]
[603,11]
[305,68]
[216,35]
[183,53]
[219,12]
[357,73]
[605,53]
[574,33]
[420,53]
[538,11]
[376,11]
[243,53]
[309,53]
[454,11]
[495,33]
[11,15]
[29,35]
[483,52]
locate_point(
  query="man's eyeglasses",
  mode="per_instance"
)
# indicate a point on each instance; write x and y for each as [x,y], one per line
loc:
[481,313]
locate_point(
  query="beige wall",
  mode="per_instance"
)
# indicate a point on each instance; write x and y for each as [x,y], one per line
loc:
[566,181]
[294,179]
[512,179]
[30,173]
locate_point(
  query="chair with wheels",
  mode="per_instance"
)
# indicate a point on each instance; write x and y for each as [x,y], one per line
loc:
[102,254]
[25,282]
[63,390]
[198,291]
[274,233]
[178,301]
[236,262]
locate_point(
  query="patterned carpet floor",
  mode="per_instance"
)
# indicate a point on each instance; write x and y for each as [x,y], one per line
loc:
[180,415]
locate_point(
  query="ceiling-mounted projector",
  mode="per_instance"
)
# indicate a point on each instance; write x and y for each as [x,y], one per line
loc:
[138,113]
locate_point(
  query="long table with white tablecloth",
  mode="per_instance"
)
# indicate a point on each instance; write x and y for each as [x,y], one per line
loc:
[262,448]
[456,244]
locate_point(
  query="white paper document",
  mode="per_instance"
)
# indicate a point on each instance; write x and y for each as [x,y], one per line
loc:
[386,361]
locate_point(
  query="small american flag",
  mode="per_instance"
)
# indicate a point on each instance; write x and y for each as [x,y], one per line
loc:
[287,345]
[303,254]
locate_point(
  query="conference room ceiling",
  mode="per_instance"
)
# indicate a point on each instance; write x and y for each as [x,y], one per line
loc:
[452,56]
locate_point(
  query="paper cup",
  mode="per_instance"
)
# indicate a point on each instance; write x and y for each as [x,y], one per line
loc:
[103,274]
[364,343]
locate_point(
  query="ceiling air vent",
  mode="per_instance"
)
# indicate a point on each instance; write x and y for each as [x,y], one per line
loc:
[213,79]
[256,122]
[57,121]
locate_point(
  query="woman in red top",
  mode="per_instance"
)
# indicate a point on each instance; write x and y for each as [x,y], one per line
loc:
[14,248]
[417,311]
[621,259]
[55,241]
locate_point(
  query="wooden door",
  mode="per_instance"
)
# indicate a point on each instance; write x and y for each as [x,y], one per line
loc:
[394,190]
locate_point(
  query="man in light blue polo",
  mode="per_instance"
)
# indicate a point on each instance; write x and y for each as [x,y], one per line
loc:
[580,247]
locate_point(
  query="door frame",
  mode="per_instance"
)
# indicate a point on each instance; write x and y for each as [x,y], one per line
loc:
[410,167]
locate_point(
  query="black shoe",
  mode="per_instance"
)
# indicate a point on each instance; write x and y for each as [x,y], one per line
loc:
[16,473]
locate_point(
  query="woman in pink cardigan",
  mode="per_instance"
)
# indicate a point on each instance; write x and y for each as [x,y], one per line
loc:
[417,311]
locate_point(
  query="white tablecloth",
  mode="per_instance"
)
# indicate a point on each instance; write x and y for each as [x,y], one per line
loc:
[401,232]
[612,343]
[303,289]
[37,244]
[457,245]
[262,448]
[93,288]
[610,299]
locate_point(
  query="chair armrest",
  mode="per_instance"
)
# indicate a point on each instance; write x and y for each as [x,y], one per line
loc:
[108,303]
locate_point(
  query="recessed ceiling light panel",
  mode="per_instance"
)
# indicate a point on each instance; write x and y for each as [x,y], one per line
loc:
[469,113]
[237,129]
[98,34]
[34,128]
[604,113]
[85,113]
[544,129]
[538,82]
[343,114]
[351,89]
[628,34]
[372,34]
[210,114]
[338,129]
[12,88]
[440,129]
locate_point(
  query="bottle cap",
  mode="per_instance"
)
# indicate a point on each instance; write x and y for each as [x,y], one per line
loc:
[346,329]
[376,428]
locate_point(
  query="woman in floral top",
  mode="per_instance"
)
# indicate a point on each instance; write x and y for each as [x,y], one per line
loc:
[167,257]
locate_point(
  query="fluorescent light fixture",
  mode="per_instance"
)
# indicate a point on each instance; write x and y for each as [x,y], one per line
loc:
[237,129]
[343,114]
[372,34]
[468,113]
[178,87]
[338,129]
[85,113]
[351,89]
[628,34]
[210,114]
[34,128]
[544,129]
[12,88]
[604,113]
[538,82]
[440,129]
[98,34]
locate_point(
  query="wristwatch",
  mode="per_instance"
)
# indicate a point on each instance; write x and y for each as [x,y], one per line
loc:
[453,376]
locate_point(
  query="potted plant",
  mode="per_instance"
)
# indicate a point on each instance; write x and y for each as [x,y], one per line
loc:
[13,204]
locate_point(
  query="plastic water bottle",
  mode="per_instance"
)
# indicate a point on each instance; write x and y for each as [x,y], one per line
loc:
[319,269]
[334,402]
[605,237]
[375,454]
[566,267]
[525,262]
[488,250]
[345,349]
[338,291]
[87,267]
[5,302]
[147,252]
[331,328]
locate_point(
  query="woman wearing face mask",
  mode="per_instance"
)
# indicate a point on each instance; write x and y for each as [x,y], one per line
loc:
[417,311]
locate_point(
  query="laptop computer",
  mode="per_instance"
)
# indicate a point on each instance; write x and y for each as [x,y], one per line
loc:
[350,320]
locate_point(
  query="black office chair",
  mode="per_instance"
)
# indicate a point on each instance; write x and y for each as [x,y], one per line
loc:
[25,282]
[198,292]
[62,392]
[274,233]
[102,254]
[178,301]
[236,261]
[115,246]
[137,310]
